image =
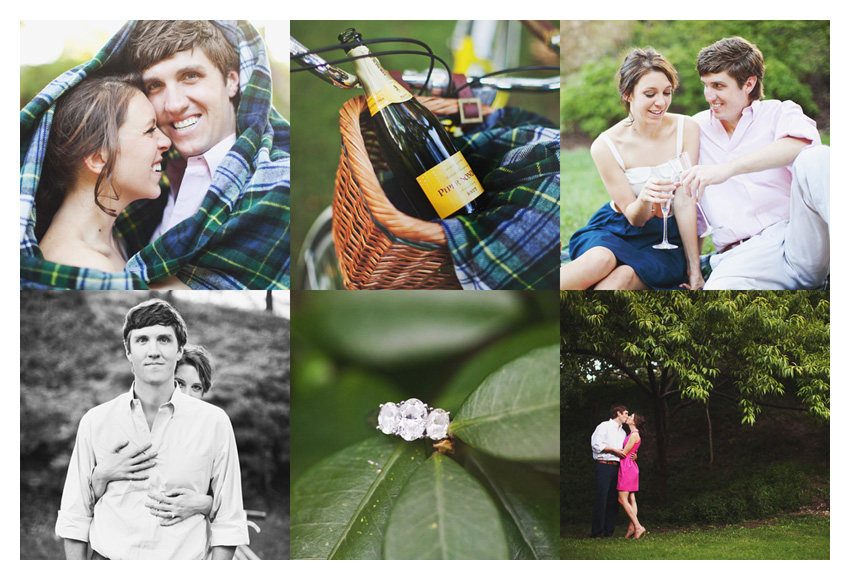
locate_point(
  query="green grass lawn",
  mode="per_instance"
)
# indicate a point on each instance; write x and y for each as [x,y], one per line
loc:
[786,537]
[582,192]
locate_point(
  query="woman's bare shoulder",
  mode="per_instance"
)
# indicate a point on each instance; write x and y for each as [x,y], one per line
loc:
[601,143]
[75,253]
[690,124]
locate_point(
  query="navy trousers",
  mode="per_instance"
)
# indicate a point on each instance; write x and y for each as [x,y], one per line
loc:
[605,506]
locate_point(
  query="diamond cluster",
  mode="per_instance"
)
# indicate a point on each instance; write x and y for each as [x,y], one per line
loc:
[412,419]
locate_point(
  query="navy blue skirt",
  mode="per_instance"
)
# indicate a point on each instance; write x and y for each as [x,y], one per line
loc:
[659,269]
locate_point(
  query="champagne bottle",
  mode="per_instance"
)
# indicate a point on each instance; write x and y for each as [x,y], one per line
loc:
[433,175]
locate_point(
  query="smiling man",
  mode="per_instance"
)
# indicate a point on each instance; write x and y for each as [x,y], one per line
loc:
[191,76]
[193,445]
[765,177]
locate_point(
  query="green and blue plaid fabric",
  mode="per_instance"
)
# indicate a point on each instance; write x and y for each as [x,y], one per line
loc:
[240,236]
[513,244]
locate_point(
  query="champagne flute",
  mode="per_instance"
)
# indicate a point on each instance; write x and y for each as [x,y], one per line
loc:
[683,160]
[665,245]
[665,208]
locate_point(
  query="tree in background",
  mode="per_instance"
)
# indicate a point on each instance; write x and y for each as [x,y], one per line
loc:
[757,349]
[796,60]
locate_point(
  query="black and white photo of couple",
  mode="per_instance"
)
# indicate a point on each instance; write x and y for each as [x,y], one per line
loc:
[173,461]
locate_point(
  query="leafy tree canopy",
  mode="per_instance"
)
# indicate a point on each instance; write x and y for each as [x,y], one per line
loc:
[758,348]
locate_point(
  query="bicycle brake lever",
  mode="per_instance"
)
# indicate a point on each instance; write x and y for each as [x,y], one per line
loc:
[327,72]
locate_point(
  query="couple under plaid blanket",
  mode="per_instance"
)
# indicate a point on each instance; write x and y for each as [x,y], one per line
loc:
[237,239]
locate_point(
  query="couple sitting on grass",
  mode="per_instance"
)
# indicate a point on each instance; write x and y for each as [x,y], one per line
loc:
[760,177]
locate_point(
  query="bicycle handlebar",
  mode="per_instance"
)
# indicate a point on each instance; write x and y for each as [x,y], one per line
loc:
[439,80]
[327,72]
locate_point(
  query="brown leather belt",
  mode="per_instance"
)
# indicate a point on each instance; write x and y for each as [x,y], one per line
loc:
[607,462]
[732,245]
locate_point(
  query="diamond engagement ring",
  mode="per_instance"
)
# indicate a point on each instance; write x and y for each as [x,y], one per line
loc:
[412,419]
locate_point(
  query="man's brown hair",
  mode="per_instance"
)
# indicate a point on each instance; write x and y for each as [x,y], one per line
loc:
[153,41]
[737,57]
[617,409]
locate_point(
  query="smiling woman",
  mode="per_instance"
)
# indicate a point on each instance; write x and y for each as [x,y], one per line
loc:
[104,152]
[615,250]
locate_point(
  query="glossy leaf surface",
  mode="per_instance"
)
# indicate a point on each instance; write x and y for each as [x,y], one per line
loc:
[514,414]
[340,507]
[404,328]
[528,504]
[443,513]
[491,359]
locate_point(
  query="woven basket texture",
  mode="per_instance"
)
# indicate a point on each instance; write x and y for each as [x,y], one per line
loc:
[378,246]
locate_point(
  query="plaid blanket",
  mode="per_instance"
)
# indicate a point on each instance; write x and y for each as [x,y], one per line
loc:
[514,243]
[240,236]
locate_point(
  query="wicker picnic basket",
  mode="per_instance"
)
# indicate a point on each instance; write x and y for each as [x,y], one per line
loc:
[377,245]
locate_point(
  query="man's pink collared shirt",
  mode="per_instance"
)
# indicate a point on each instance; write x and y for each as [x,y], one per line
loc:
[196,182]
[747,204]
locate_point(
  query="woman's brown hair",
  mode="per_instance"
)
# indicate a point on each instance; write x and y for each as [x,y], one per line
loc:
[636,64]
[85,120]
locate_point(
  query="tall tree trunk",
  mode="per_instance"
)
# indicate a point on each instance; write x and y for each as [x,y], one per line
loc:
[269,302]
[710,437]
[662,445]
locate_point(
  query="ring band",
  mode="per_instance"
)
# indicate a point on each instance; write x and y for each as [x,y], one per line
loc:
[412,419]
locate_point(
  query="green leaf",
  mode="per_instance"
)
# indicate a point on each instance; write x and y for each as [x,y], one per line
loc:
[491,359]
[403,328]
[340,507]
[515,413]
[344,400]
[528,504]
[443,513]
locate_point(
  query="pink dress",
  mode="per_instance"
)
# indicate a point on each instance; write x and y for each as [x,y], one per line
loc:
[627,480]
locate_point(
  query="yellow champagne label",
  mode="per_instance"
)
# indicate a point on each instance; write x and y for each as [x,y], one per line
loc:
[450,185]
[391,92]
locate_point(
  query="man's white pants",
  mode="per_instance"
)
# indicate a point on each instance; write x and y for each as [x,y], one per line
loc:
[792,254]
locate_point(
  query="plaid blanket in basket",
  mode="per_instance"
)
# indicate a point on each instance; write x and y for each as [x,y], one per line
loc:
[240,236]
[513,244]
